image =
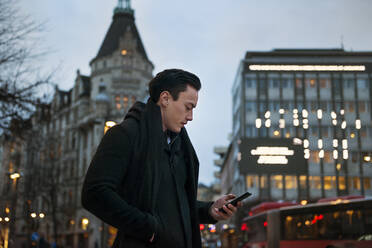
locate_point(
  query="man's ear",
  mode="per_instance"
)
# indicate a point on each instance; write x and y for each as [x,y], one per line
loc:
[164,99]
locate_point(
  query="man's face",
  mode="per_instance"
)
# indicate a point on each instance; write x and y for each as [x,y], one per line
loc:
[176,114]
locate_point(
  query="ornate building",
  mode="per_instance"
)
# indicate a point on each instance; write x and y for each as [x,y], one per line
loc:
[44,200]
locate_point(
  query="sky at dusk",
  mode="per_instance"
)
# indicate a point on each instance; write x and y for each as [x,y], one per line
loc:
[208,38]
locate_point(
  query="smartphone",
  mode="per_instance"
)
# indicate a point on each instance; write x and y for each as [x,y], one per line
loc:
[235,201]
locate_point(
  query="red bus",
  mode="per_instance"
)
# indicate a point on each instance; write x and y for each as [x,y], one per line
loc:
[331,224]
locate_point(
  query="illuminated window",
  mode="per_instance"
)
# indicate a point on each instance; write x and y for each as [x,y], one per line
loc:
[356,183]
[277,181]
[310,83]
[324,83]
[315,182]
[298,83]
[125,100]
[303,182]
[367,183]
[328,157]
[314,156]
[251,181]
[329,182]
[341,183]
[263,182]
[117,102]
[290,182]
[124,52]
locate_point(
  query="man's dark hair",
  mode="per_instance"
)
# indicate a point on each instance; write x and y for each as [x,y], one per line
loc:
[174,81]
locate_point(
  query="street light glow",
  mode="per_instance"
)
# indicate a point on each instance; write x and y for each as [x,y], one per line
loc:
[14,175]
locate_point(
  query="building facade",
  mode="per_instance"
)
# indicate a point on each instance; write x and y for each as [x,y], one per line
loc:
[64,137]
[301,126]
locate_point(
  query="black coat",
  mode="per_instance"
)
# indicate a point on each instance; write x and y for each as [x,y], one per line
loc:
[123,179]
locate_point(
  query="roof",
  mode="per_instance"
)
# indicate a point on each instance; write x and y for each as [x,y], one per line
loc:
[121,22]
[307,52]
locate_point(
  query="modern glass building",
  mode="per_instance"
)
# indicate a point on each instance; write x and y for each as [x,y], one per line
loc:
[318,100]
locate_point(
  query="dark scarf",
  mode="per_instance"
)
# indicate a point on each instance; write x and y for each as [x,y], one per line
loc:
[147,155]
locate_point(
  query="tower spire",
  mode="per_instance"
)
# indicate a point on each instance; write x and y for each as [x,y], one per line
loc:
[124,7]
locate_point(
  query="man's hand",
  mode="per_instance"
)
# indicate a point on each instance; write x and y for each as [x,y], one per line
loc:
[230,209]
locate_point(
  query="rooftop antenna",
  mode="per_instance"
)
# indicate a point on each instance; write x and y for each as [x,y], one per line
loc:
[342,42]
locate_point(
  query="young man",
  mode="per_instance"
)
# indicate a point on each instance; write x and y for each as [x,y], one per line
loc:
[143,178]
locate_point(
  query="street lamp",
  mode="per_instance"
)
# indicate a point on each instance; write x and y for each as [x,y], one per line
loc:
[14,175]
[84,223]
[108,125]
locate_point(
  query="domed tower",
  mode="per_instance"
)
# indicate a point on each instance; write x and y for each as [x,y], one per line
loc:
[121,65]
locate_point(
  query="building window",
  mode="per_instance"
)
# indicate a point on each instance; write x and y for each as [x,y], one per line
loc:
[325,131]
[315,182]
[363,132]
[117,102]
[250,83]
[314,131]
[263,181]
[356,183]
[350,106]
[341,183]
[303,182]
[367,183]
[298,83]
[354,157]
[314,156]
[277,181]
[349,83]
[362,83]
[313,106]
[310,82]
[274,83]
[362,107]
[251,181]
[250,107]
[125,100]
[324,83]
[328,157]
[329,182]
[290,182]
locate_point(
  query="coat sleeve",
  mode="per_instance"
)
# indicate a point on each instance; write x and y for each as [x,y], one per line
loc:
[203,212]
[100,189]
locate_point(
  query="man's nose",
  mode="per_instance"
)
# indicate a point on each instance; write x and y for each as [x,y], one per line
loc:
[189,116]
